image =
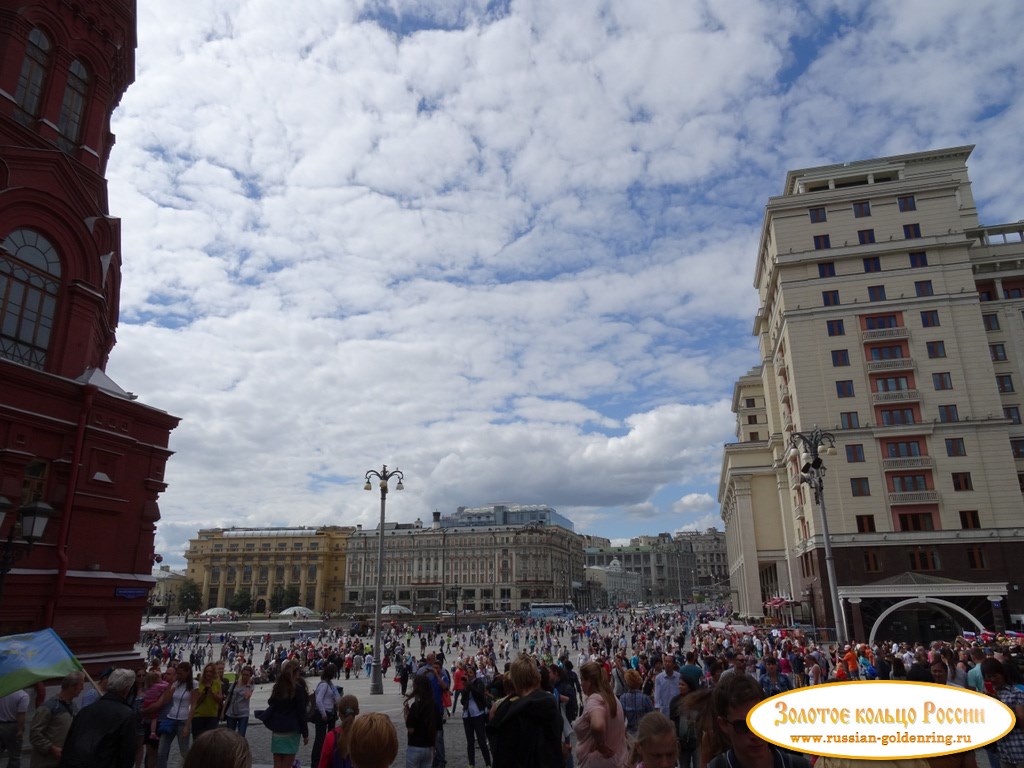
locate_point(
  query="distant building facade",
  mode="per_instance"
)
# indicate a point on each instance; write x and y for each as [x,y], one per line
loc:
[710,561]
[665,566]
[506,514]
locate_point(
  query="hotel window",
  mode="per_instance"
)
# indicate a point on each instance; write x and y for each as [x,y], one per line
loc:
[876,293]
[991,322]
[861,208]
[1013,293]
[969,519]
[922,559]
[911,231]
[752,419]
[1004,382]
[849,420]
[1017,446]
[976,557]
[860,486]
[874,322]
[893,352]
[822,242]
[246,574]
[755,436]
[1012,412]
[33,73]
[903,449]
[918,259]
[855,453]
[836,328]
[916,521]
[924,288]
[844,388]
[871,562]
[830,298]
[865,523]
[892,384]
[936,349]
[840,357]
[948,414]
[896,416]
[942,381]
[750,402]
[997,352]
[909,483]
[962,481]
[866,237]
[817,215]
[826,269]
[907,203]
[930,318]
[955,446]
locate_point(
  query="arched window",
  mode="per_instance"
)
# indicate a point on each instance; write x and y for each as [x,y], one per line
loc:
[71,109]
[29,283]
[33,76]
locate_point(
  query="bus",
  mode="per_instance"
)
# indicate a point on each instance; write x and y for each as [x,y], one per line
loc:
[552,610]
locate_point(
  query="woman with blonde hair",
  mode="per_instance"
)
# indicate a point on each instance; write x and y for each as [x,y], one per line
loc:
[373,741]
[601,728]
[338,739]
[208,699]
[655,744]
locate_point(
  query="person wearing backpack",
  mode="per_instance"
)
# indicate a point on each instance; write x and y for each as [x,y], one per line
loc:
[324,709]
[475,707]
[335,752]
[635,703]
[685,721]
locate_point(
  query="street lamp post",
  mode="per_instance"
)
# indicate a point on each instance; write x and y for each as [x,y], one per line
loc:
[30,523]
[376,682]
[168,599]
[807,448]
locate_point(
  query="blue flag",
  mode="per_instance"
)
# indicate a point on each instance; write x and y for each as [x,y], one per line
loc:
[32,657]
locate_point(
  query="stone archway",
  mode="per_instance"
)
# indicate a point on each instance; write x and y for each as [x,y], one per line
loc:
[914,600]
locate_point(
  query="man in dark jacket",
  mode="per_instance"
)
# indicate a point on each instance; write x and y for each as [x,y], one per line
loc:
[526,729]
[104,733]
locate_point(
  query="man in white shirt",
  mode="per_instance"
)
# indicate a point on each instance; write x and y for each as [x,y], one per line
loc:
[13,708]
[666,685]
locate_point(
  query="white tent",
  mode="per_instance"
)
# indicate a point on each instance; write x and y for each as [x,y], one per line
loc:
[216,612]
[299,611]
[395,610]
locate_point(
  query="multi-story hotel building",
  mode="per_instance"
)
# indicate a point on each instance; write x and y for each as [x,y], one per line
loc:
[710,561]
[889,318]
[223,561]
[666,567]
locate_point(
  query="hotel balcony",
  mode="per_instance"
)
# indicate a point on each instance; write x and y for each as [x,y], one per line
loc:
[896,396]
[784,393]
[894,364]
[907,462]
[914,497]
[882,334]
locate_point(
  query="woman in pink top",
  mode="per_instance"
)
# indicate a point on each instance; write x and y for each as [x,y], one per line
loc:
[601,728]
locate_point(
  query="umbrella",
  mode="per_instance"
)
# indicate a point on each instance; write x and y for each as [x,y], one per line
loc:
[216,612]
[395,609]
[300,611]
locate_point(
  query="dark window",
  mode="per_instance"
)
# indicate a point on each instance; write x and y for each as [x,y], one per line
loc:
[750,402]
[962,481]
[942,380]
[936,349]
[909,483]
[865,523]
[865,237]
[751,419]
[830,298]
[844,388]
[894,352]
[874,322]
[821,242]
[1004,382]
[855,453]
[33,75]
[921,559]
[755,436]
[1013,293]
[991,322]
[918,259]
[876,293]
[976,557]
[924,288]
[836,328]
[948,413]
[860,486]
[997,352]
[1012,412]
[840,357]
[955,446]
[911,231]
[849,420]
[907,203]
[1017,446]
[861,209]
[872,563]
[930,318]
[826,269]
[817,215]
[29,283]
[895,416]
[969,519]
[916,521]
[892,384]
[72,108]
[903,450]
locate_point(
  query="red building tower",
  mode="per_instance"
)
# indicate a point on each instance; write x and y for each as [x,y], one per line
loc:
[73,444]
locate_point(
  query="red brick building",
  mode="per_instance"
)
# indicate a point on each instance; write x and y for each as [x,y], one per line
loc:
[69,436]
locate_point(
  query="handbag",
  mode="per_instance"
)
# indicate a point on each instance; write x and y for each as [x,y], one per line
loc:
[165,727]
[226,702]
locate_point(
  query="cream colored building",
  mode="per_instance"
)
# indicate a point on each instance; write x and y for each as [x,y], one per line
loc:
[889,318]
[223,561]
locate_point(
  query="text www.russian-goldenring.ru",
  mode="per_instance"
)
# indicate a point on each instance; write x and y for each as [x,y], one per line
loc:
[904,737]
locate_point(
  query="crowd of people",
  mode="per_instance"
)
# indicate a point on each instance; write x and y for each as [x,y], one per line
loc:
[611,690]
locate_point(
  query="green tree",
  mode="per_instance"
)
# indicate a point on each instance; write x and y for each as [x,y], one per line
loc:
[190,597]
[277,602]
[291,596]
[241,602]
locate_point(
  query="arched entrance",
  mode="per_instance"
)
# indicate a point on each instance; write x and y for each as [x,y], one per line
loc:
[260,606]
[881,621]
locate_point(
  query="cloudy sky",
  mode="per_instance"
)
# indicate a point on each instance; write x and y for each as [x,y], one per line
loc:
[505,246]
